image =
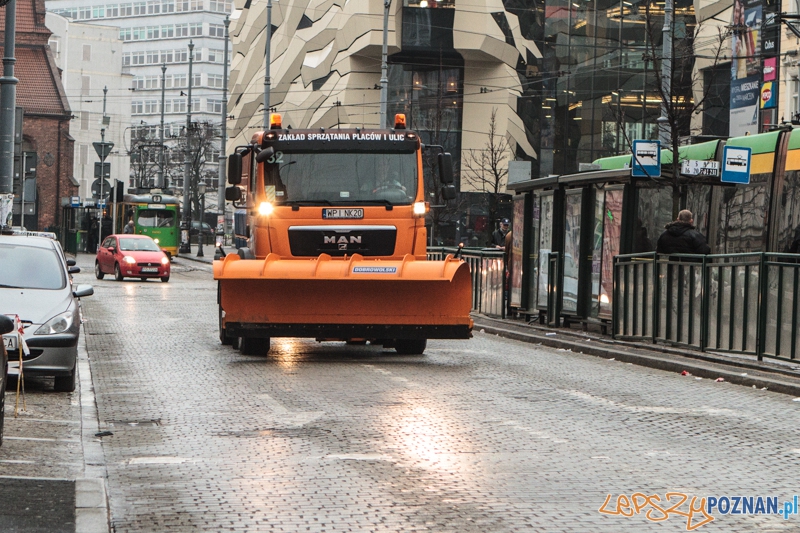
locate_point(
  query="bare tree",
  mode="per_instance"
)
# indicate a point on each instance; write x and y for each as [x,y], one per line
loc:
[203,148]
[686,93]
[486,169]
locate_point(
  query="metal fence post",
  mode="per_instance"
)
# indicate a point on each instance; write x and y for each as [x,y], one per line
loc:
[763,291]
[704,295]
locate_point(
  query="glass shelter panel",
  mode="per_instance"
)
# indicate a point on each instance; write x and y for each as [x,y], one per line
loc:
[572,251]
[612,224]
[545,243]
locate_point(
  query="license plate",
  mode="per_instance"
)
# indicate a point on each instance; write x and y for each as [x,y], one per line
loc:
[342,213]
[10,342]
[149,269]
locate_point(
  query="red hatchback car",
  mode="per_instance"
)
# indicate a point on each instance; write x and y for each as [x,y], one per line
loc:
[131,256]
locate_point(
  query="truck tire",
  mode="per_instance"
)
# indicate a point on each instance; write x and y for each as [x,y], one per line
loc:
[254,346]
[224,339]
[411,346]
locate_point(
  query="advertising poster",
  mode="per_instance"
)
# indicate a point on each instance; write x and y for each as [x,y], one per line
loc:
[768,96]
[745,67]
[517,238]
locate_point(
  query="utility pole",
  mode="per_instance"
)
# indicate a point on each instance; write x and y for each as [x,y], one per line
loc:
[384,65]
[223,141]
[267,80]
[161,182]
[8,98]
[103,148]
[186,221]
[665,129]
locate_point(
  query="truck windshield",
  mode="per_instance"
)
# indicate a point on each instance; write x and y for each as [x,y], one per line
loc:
[342,178]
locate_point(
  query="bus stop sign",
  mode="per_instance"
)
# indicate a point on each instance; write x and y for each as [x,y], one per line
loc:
[735,165]
[646,159]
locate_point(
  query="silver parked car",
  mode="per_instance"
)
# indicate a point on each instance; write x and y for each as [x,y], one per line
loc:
[36,284]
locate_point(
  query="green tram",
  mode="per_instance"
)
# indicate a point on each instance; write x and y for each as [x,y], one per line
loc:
[585,219]
[154,214]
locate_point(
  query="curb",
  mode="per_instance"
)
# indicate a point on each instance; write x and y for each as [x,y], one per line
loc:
[670,362]
[91,500]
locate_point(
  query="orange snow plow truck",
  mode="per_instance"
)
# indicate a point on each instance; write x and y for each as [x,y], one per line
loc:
[333,227]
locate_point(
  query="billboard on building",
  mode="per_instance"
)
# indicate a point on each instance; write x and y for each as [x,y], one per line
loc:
[745,67]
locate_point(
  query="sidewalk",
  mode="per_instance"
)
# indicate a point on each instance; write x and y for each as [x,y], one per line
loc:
[772,374]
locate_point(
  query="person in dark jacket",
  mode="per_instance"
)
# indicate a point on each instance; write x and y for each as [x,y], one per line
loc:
[106,227]
[681,237]
[499,235]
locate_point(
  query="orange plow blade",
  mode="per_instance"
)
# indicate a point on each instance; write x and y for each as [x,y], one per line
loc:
[345,298]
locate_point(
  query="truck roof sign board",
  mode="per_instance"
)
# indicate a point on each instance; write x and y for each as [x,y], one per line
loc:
[735,165]
[646,159]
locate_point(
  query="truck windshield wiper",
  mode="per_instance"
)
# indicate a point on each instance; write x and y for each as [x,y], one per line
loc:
[307,202]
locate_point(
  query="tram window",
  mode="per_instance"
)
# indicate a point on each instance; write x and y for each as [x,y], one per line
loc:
[152,218]
[788,215]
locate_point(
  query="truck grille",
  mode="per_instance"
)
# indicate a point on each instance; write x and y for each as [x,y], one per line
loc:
[310,241]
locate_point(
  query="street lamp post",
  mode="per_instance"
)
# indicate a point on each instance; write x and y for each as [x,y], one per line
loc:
[267,80]
[384,65]
[187,165]
[161,183]
[201,192]
[222,148]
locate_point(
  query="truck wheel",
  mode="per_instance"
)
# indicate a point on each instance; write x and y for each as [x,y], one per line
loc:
[254,346]
[223,337]
[411,346]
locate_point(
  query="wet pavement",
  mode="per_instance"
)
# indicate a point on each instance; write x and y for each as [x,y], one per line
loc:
[492,434]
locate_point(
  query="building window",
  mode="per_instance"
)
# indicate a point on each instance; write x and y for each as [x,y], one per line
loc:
[219,6]
[138,34]
[87,52]
[167,56]
[137,108]
[195,29]
[167,31]
[125,10]
[84,13]
[151,106]
[85,85]
[182,55]
[168,6]
[153,7]
[140,8]
[99,12]
[216,30]
[215,56]
[83,153]
[215,81]
[153,57]
[124,34]
[154,32]
[197,80]
[85,120]
[112,10]
[137,58]
[181,30]
[214,106]
[137,83]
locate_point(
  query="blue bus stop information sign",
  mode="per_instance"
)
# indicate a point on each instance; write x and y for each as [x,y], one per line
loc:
[735,165]
[646,159]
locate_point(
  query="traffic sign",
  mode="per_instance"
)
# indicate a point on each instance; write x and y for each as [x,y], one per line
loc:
[106,169]
[103,149]
[75,201]
[695,167]
[735,165]
[96,189]
[646,159]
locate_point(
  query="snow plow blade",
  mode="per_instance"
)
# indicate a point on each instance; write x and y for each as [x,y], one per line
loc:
[335,298]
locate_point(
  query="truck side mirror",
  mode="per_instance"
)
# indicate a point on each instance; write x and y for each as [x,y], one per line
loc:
[6,324]
[234,169]
[448,192]
[265,154]
[233,194]
[445,161]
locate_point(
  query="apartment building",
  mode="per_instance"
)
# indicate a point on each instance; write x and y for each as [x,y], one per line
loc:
[156,34]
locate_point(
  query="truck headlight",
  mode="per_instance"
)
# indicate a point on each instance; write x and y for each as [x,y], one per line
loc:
[128,259]
[265,208]
[58,324]
[420,208]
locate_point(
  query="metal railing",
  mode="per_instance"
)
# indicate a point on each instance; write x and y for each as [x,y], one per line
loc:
[555,286]
[742,303]
[488,273]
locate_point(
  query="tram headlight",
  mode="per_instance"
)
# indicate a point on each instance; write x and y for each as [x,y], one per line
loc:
[265,208]
[155,241]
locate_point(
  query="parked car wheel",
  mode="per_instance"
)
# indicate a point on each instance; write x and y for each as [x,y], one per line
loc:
[117,273]
[98,272]
[65,383]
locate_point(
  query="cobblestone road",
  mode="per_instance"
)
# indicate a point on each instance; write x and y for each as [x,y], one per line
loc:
[486,435]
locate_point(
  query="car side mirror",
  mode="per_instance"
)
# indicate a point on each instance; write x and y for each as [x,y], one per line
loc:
[74,270]
[83,290]
[6,324]
[71,262]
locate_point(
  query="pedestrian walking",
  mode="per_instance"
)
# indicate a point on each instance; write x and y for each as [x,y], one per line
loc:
[106,227]
[499,235]
[128,227]
[91,236]
[681,237]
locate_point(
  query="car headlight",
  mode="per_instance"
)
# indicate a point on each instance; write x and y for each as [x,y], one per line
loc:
[128,259]
[57,324]
[164,260]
